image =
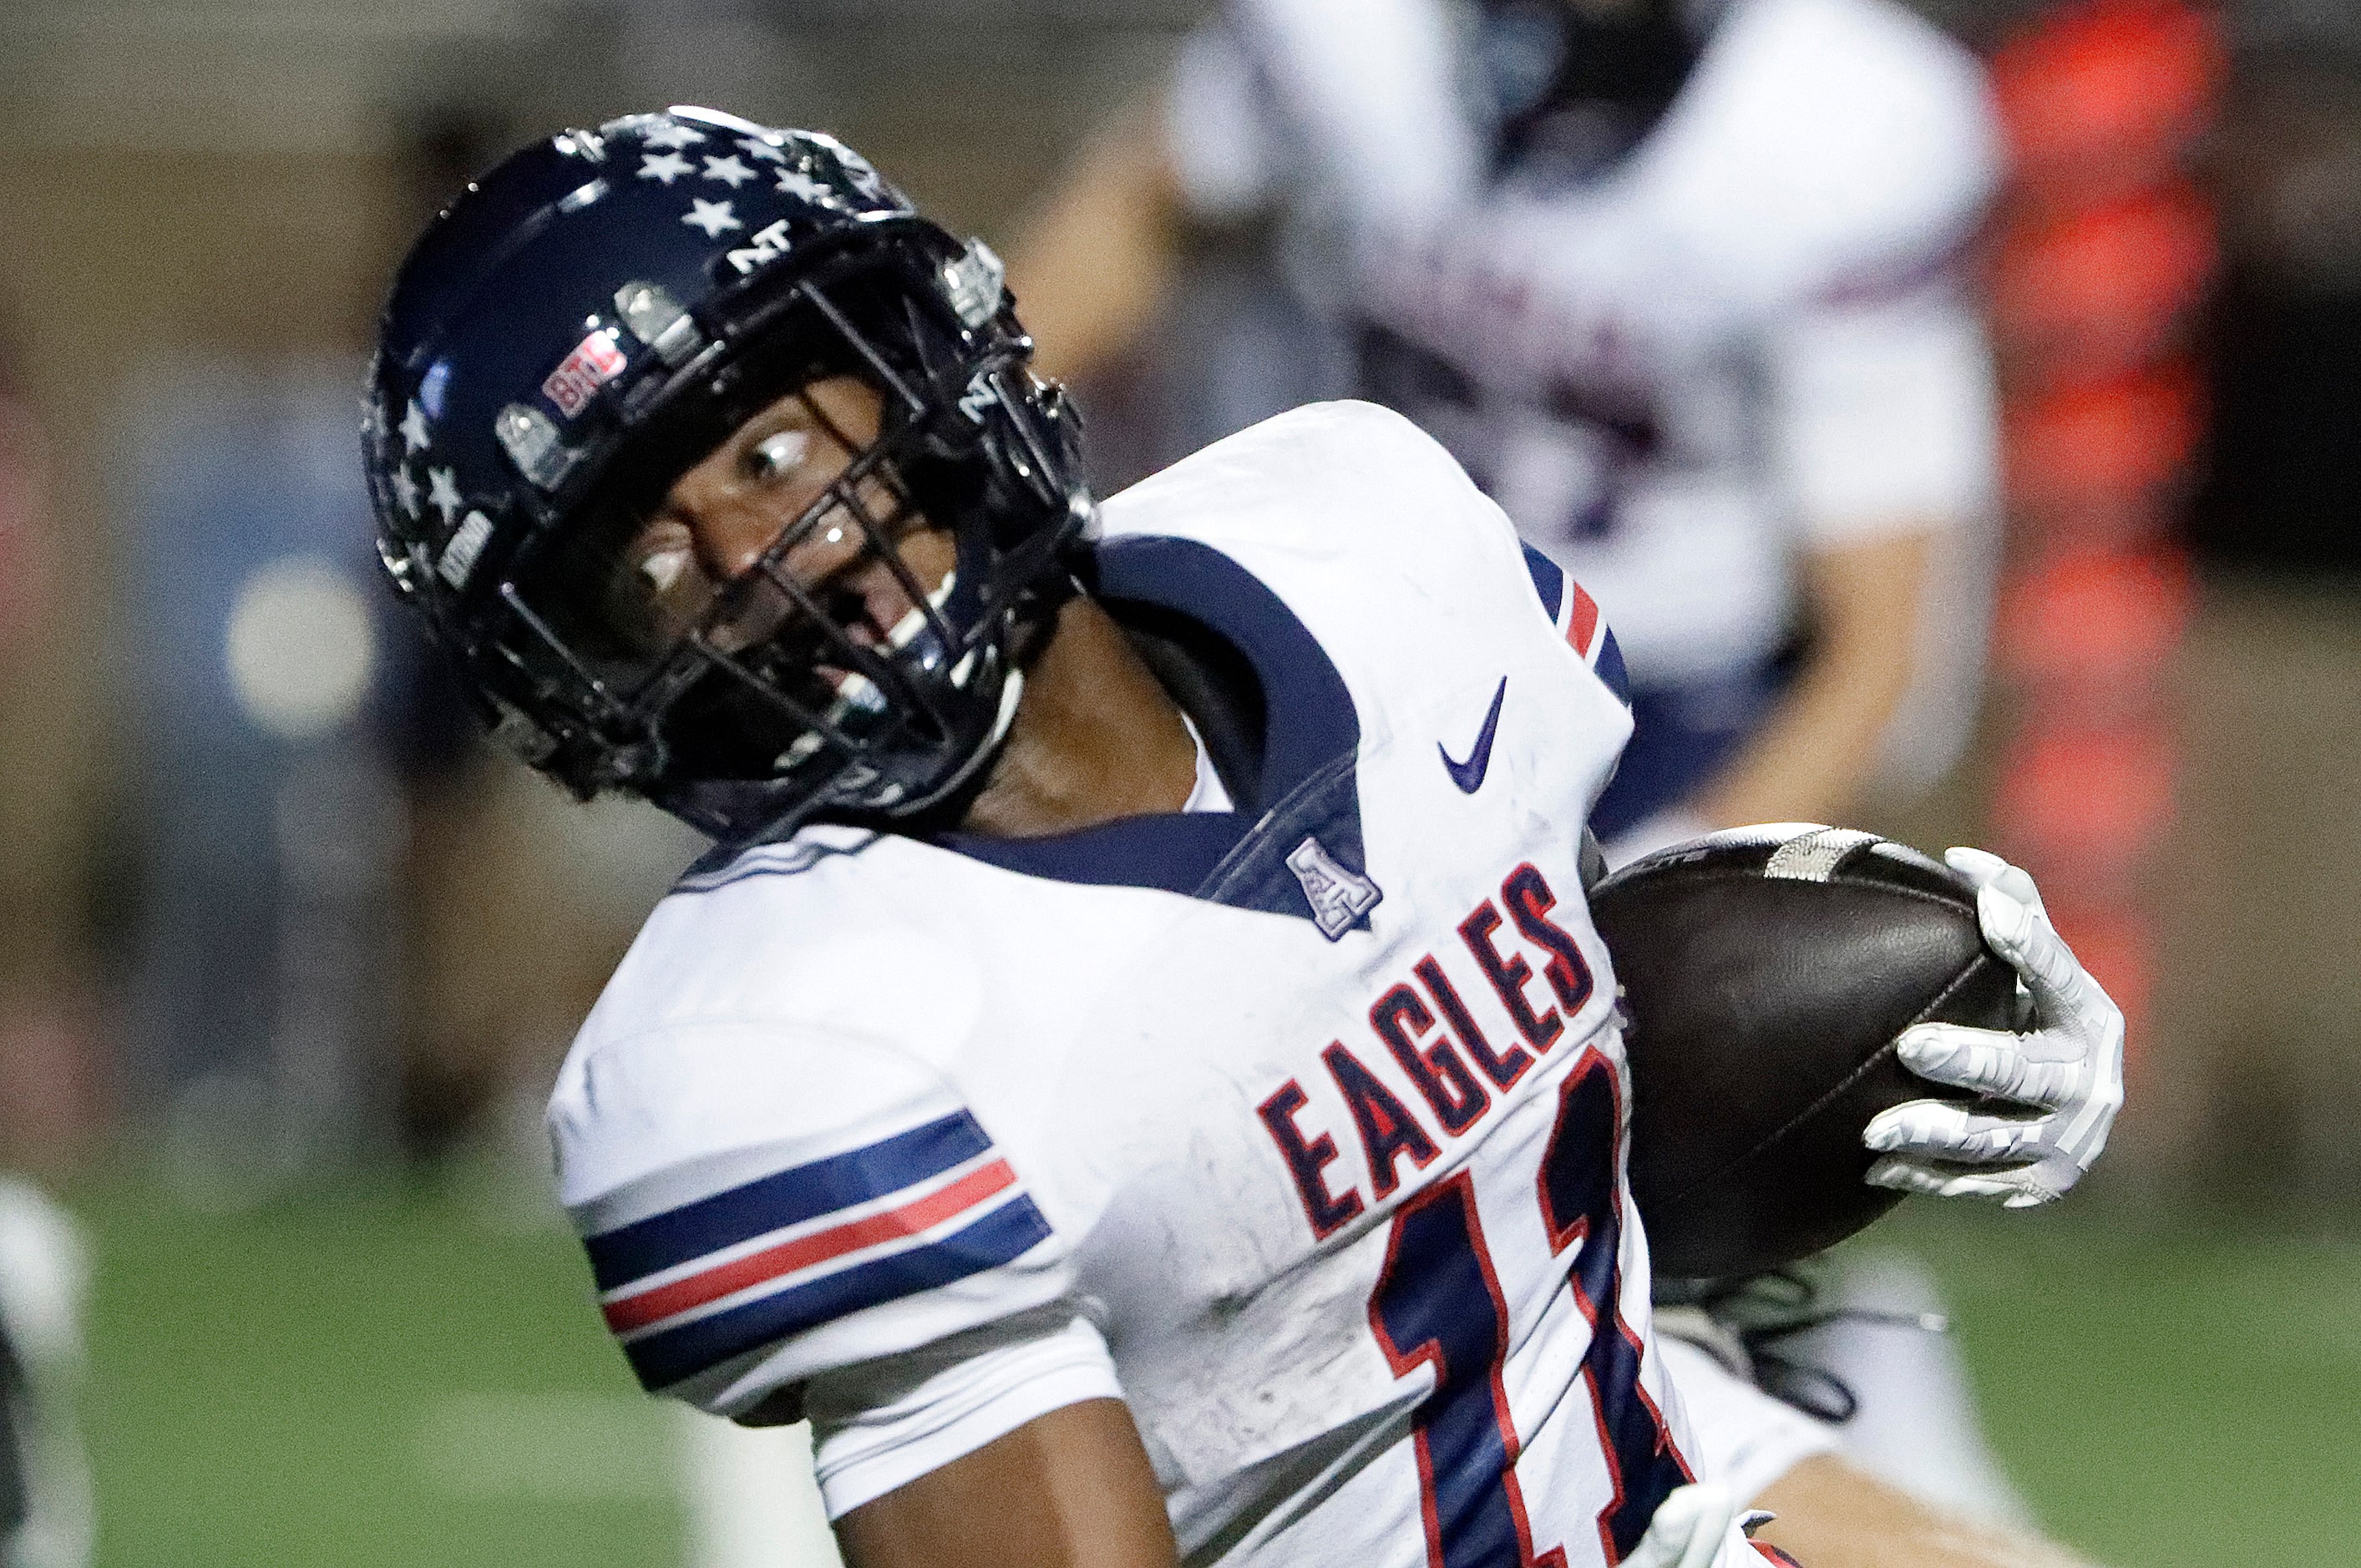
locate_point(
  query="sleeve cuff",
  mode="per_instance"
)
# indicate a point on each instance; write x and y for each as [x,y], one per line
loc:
[882,1426]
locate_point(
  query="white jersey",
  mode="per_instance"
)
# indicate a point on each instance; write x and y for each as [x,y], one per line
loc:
[1742,339]
[1297,1127]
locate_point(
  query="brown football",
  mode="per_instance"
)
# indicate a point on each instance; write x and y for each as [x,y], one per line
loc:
[1764,974]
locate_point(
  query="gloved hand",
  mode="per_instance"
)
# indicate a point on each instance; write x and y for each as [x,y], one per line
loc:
[2068,1070]
[1691,1525]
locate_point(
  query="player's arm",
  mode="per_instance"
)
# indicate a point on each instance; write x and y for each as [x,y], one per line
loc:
[787,1220]
[1833,1513]
[1093,267]
[1885,438]
[1810,762]
[1070,1489]
[1882,438]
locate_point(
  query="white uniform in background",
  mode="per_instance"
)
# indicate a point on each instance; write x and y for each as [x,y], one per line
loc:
[1742,337]
[1677,368]
[1294,1123]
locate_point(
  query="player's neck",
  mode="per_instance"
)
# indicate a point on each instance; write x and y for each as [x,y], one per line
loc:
[1095,738]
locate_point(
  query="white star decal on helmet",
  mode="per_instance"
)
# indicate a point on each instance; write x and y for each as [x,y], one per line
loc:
[443,493]
[795,183]
[405,492]
[756,148]
[414,432]
[673,134]
[730,170]
[665,166]
[714,217]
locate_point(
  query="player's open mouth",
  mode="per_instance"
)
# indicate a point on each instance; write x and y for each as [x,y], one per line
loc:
[872,608]
[876,593]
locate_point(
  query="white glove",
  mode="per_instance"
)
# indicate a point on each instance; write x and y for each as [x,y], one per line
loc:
[2068,1070]
[1691,1525]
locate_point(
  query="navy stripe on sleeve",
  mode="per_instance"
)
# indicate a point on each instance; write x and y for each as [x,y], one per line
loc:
[1001,1237]
[1610,667]
[784,1198]
[1548,581]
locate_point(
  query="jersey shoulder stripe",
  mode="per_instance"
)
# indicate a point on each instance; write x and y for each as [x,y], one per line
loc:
[689,1289]
[1576,615]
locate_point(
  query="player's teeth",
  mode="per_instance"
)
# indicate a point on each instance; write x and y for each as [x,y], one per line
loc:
[664,568]
[907,628]
[855,693]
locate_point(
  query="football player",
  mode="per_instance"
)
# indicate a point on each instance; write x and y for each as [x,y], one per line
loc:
[1135,1068]
[1677,281]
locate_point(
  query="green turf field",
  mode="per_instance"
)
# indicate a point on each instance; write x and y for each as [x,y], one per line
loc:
[365,1380]
[380,1378]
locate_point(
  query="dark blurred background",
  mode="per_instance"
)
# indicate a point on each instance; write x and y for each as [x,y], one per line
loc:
[286,961]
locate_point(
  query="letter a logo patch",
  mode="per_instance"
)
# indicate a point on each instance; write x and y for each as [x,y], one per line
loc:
[1339,896]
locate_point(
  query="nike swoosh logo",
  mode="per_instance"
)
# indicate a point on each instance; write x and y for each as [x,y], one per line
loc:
[1469,775]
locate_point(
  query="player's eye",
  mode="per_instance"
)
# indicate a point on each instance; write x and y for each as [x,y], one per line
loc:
[776,456]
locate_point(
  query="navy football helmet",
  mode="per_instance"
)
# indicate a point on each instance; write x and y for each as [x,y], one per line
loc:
[597,314]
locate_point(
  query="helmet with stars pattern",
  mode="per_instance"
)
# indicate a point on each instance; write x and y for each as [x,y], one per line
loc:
[594,316]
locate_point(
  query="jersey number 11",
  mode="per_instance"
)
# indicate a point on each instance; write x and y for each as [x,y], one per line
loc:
[1439,1301]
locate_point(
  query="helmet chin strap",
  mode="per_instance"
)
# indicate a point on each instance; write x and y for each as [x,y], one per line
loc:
[718,807]
[972,771]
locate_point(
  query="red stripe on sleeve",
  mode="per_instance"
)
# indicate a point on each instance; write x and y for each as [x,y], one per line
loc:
[771,1263]
[1584,625]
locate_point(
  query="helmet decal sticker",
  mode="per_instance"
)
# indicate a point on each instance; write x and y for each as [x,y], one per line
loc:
[975,282]
[803,187]
[770,243]
[594,362]
[431,390]
[533,444]
[730,170]
[665,166]
[443,493]
[459,555]
[651,314]
[715,218]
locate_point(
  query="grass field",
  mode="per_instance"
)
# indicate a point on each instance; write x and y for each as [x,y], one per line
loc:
[381,1377]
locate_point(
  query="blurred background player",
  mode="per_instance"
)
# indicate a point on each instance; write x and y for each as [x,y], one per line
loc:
[1680,283]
